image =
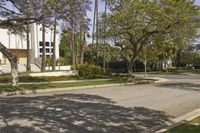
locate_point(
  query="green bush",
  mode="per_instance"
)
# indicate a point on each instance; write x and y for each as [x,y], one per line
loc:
[89,70]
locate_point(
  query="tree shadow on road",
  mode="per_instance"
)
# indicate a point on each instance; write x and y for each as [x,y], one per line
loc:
[182,86]
[75,113]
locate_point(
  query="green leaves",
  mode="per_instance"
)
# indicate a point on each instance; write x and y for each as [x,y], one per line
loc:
[136,23]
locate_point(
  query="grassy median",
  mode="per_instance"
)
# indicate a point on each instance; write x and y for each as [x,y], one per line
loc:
[27,79]
[188,127]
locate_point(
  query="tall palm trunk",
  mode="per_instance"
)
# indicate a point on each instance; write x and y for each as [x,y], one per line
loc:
[75,49]
[82,48]
[97,30]
[73,53]
[28,68]
[95,27]
[43,48]
[54,46]
[94,21]
[105,25]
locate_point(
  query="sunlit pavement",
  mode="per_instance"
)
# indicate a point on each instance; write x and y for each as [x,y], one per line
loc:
[122,109]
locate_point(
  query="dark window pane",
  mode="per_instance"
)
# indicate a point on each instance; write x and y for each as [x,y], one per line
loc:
[47,43]
[40,43]
[47,50]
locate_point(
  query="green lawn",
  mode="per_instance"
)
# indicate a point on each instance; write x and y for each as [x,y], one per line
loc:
[9,88]
[26,79]
[189,127]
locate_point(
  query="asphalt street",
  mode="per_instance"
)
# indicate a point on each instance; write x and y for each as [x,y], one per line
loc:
[122,109]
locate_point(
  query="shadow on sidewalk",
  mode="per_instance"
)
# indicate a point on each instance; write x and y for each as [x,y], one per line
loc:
[75,113]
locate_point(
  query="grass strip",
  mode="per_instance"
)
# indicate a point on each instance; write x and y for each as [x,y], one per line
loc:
[189,127]
[9,88]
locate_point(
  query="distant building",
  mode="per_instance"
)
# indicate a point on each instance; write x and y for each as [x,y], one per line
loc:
[17,44]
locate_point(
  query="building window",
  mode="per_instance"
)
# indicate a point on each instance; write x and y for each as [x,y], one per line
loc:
[41,50]
[47,44]
[40,43]
[47,50]
[48,56]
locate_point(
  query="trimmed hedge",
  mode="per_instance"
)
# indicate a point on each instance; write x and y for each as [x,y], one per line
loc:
[89,70]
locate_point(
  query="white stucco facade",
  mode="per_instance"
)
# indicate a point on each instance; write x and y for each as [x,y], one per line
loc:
[17,43]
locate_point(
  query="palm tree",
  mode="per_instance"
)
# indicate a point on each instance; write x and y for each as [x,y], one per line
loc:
[95,28]
[105,25]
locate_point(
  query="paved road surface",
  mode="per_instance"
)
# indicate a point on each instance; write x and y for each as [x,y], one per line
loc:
[178,96]
[127,109]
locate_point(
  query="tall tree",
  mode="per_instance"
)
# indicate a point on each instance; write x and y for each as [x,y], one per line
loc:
[95,32]
[97,28]
[56,6]
[43,65]
[14,19]
[83,31]
[105,29]
[74,12]
[26,8]
[133,23]
[46,12]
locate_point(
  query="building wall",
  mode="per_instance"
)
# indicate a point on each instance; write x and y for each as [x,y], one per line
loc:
[16,41]
[21,56]
[49,39]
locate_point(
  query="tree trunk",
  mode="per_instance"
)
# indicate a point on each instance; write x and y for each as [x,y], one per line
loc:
[105,25]
[130,71]
[73,48]
[13,61]
[14,71]
[82,49]
[97,30]
[54,46]
[178,58]
[145,62]
[28,68]
[43,48]
[93,30]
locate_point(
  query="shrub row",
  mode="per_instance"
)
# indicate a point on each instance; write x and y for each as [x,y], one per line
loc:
[88,70]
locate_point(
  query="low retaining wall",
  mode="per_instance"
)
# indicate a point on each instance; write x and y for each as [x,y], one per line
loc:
[62,68]
[55,74]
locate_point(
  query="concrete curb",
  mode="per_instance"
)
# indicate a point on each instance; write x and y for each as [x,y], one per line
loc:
[160,80]
[27,92]
[182,119]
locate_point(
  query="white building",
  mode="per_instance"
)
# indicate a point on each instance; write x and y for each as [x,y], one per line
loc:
[17,44]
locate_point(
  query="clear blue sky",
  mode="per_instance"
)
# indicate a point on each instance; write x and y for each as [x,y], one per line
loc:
[197,2]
